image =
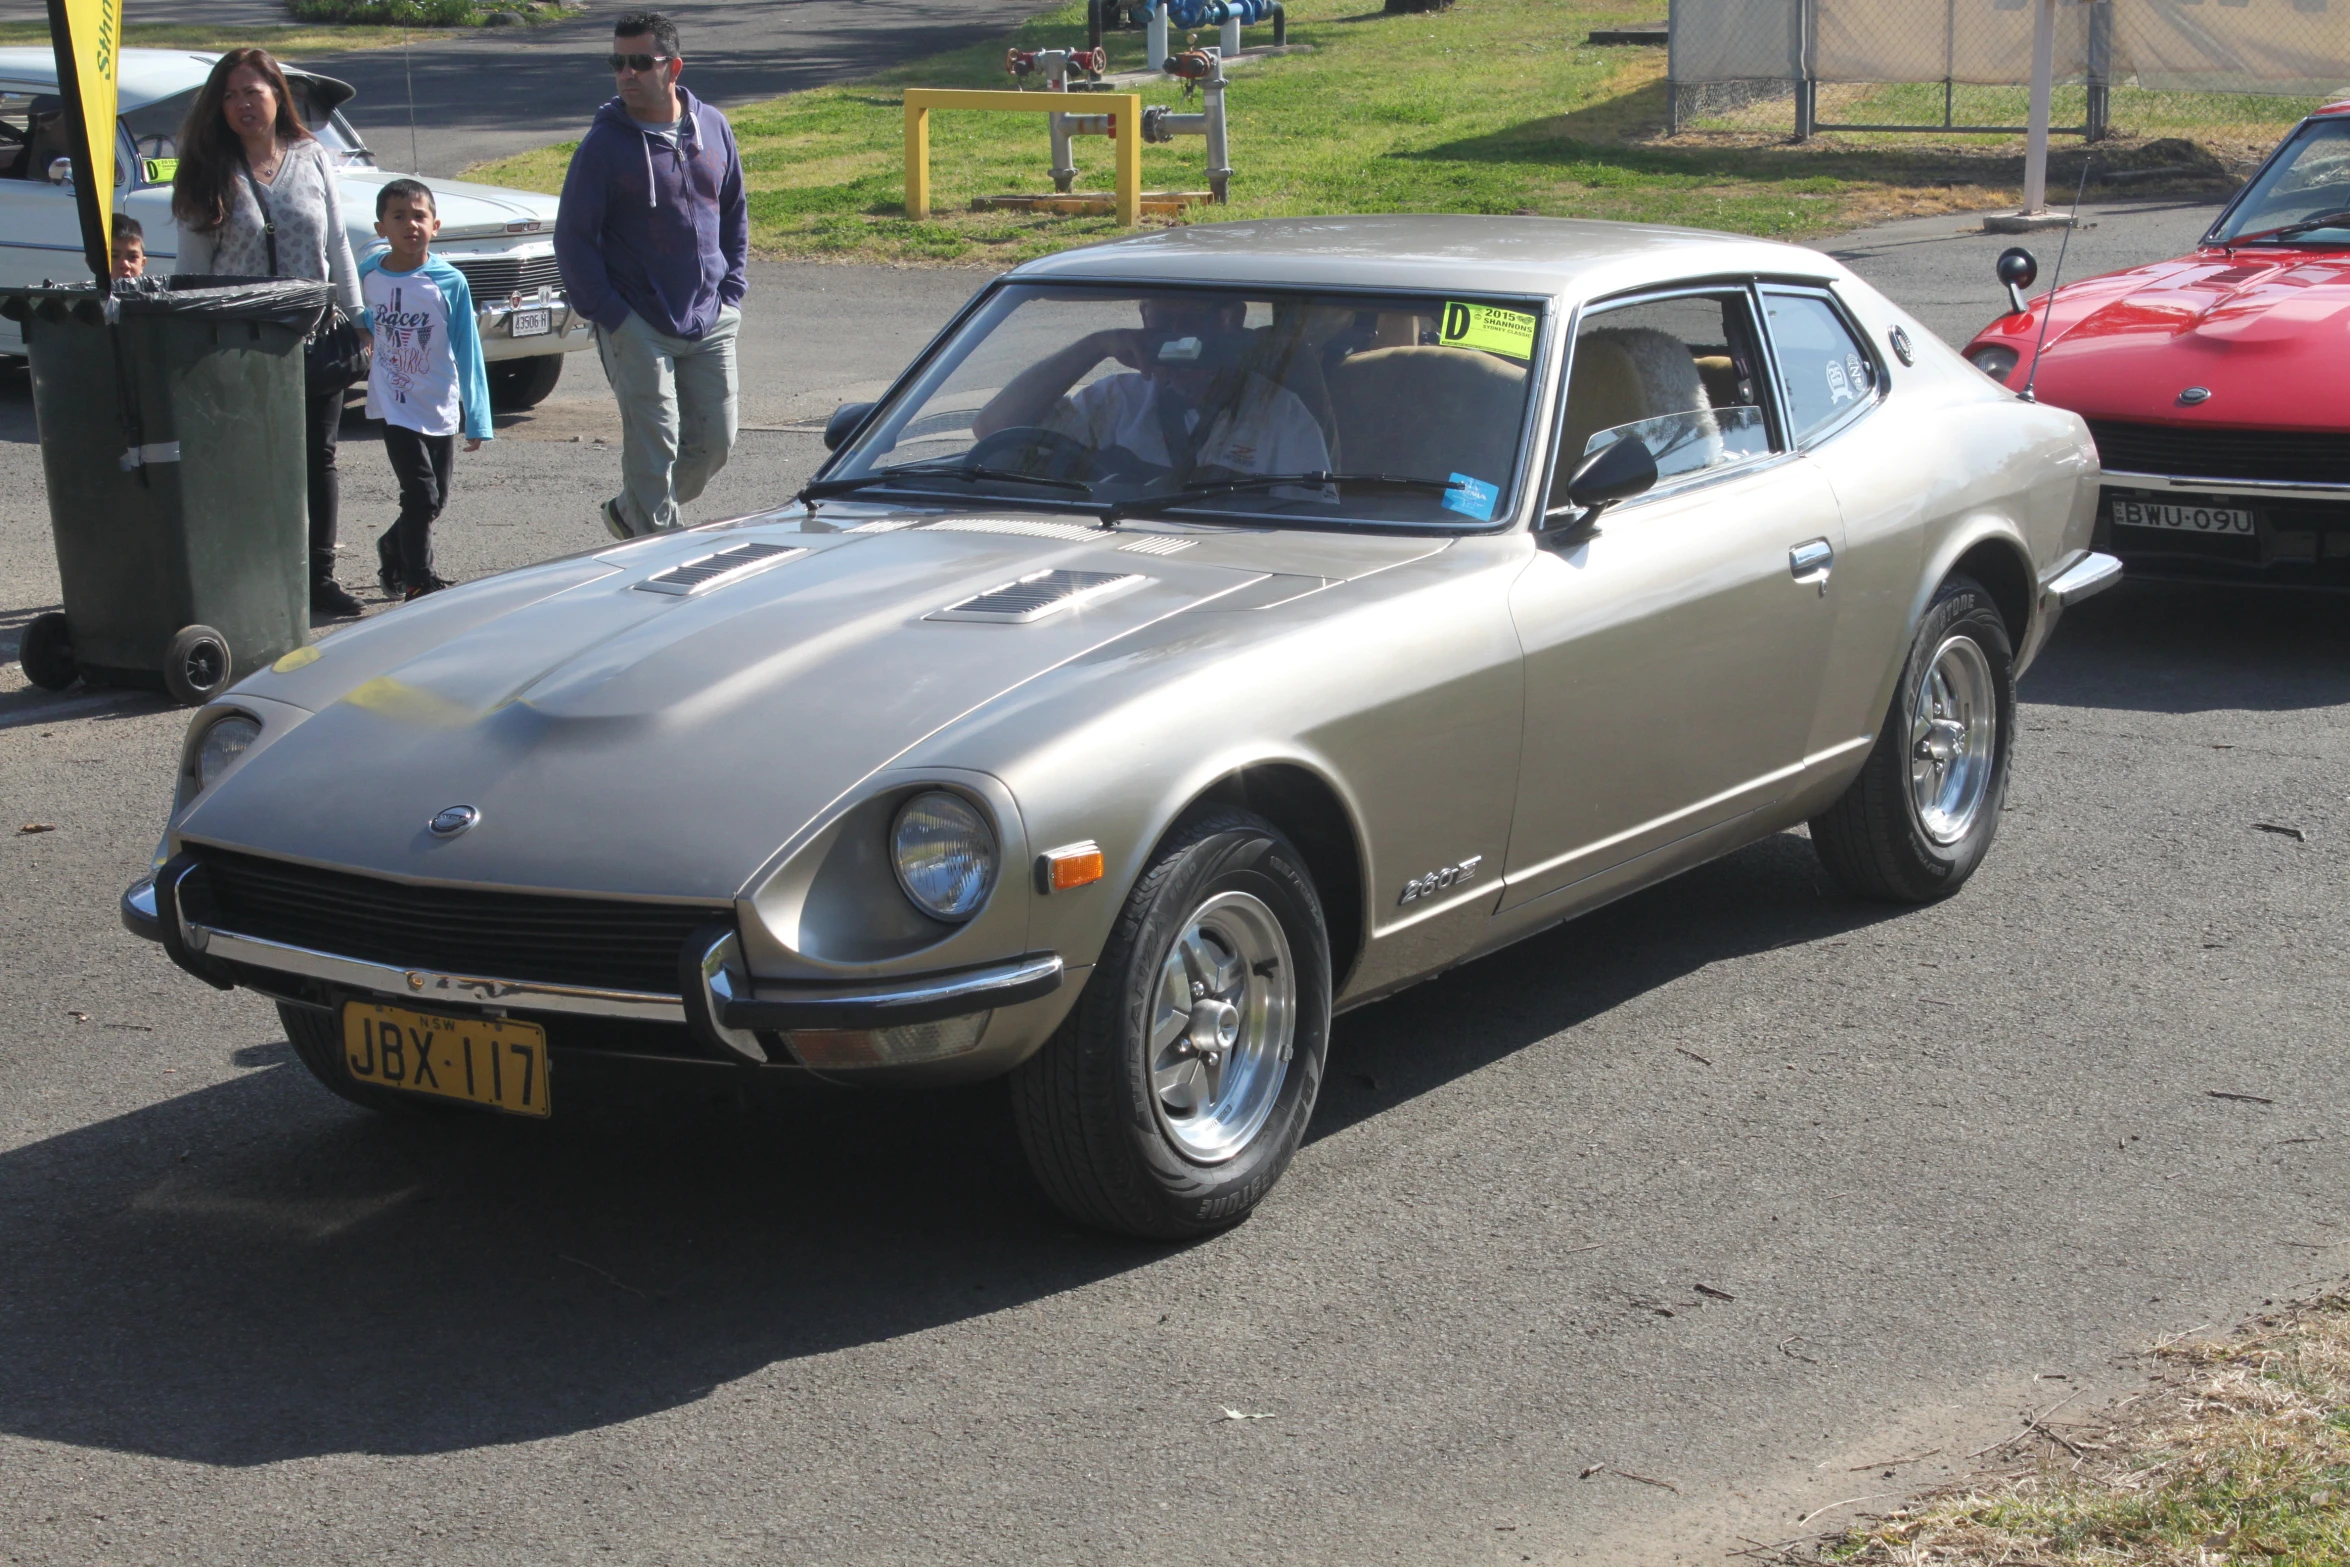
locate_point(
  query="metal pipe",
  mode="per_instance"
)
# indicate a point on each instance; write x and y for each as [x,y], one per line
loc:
[1154,36]
[1219,153]
[1064,156]
[1229,39]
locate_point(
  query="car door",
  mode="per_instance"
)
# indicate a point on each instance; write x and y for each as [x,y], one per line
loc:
[40,231]
[1674,656]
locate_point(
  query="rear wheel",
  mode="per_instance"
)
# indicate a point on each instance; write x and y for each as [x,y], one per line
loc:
[196,667]
[46,652]
[516,384]
[1921,815]
[1174,1095]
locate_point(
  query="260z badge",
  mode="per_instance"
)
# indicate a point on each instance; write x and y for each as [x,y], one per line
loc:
[1436,881]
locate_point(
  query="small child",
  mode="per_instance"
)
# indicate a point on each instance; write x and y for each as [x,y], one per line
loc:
[130,247]
[426,381]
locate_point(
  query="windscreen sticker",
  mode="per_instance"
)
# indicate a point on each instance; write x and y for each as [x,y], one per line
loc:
[1472,497]
[1489,327]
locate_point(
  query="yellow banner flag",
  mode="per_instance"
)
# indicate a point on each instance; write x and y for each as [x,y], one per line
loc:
[87,35]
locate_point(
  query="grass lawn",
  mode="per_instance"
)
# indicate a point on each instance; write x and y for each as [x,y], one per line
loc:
[1496,106]
[2239,1454]
[287,43]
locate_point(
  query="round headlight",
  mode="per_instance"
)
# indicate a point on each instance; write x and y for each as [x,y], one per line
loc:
[222,744]
[1995,360]
[945,855]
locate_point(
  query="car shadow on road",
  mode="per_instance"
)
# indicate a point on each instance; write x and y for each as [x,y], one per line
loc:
[253,1272]
[2152,646]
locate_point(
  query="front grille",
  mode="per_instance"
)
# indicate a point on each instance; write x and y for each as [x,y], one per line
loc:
[492,278]
[459,930]
[2281,456]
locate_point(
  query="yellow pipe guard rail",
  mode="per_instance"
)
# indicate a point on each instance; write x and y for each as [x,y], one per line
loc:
[1124,109]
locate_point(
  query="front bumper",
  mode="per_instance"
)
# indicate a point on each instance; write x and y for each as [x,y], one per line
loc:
[2299,529]
[567,330]
[733,1015]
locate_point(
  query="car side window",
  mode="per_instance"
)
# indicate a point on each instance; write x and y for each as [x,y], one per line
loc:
[1681,374]
[1827,374]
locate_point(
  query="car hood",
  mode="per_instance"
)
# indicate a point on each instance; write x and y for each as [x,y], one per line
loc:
[2267,335]
[625,741]
[467,210]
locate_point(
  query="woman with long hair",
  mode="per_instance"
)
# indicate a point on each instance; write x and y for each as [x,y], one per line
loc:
[246,163]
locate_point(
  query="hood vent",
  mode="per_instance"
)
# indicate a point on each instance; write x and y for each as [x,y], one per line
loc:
[710,571]
[1024,527]
[1158,545]
[1039,594]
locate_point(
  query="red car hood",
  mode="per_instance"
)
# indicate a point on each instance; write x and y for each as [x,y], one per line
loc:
[2266,333]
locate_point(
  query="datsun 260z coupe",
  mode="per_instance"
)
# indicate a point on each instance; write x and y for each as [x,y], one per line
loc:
[2217,385]
[1209,632]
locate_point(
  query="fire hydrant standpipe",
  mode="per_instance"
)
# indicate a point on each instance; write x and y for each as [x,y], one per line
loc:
[1161,124]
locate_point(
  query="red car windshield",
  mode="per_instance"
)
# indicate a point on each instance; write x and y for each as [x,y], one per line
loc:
[2309,183]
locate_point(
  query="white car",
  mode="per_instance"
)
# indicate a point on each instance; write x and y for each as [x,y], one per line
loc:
[502,240]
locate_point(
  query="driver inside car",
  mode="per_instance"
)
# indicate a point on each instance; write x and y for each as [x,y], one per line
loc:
[1190,403]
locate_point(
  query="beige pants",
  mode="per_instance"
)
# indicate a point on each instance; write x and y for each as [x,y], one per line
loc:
[677,413]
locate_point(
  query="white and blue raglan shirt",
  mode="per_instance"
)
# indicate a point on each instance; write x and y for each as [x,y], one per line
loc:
[427,373]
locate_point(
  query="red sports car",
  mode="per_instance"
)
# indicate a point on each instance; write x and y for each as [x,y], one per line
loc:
[2217,385]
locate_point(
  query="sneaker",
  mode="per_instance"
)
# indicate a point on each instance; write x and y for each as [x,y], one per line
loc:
[387,567]
[428,585]
[328,598]
[616,524]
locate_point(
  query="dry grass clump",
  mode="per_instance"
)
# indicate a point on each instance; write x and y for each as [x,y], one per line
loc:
[2241,1454]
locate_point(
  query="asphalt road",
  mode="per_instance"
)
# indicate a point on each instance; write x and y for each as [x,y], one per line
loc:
[1940,1165]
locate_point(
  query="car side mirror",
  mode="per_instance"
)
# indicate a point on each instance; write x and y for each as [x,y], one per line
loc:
[2017,268]
[1615,472]
[61,171]
[845,421]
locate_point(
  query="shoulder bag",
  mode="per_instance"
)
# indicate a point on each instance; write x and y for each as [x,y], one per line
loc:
[334,355]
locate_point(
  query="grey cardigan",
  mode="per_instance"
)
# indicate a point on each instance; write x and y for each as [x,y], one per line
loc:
[311,240]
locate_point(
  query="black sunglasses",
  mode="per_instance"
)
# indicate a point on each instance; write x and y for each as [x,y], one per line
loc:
[636,62]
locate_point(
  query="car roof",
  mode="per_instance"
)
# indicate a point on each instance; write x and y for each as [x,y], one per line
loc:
[2343,107]
[1574,257]
[141,75]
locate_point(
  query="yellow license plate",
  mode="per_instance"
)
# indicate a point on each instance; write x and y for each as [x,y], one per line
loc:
[481,1060]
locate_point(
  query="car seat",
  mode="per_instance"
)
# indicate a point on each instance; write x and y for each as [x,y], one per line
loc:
[1628,375]
[1430,412]
[1281,354]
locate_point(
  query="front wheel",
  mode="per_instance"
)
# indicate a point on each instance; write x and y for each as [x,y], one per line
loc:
[517,384]
[46,652]
[1173,1096]
[1922,812]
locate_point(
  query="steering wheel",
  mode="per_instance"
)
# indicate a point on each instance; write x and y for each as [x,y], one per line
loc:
[1031,448]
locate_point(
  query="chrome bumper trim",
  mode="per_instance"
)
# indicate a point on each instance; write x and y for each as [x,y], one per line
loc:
[924,999]
[2260,489]
[427,985]
[2090,575]
[138,910]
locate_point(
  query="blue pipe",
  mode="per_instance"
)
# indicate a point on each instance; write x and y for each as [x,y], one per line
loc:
[1215,13]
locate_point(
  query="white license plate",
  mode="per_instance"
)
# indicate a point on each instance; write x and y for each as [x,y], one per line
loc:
[529,323]
[2183,519]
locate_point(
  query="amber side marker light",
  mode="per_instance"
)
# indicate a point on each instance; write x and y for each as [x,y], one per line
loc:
[1068,867]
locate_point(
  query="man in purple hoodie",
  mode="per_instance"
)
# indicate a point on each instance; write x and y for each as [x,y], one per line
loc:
[652,239]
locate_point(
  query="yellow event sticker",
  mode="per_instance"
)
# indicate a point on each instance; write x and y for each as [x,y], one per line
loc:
[1489,327]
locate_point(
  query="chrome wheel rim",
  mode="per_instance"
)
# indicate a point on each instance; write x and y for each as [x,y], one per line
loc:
[1223,1018]
[1953,739]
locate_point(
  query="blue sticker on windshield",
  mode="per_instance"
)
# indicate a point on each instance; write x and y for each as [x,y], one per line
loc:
[1471,497]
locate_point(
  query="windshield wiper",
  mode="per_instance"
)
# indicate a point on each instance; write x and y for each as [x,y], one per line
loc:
[818,489]
[1143,505]
[2324,220]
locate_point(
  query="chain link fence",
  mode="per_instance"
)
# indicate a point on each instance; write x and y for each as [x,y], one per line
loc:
[2229,75]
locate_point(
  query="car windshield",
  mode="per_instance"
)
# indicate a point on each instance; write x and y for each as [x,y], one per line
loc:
[2311,179]
[1281,406]
[154,130]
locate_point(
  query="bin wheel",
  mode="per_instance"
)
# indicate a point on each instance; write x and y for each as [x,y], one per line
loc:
[47,652]
[517,384]
[196,665]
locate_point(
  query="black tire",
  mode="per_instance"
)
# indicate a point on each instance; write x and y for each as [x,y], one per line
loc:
[196,667]
[46,652]
[317,1038]
[517,384]
[1875,840]
[1104,1146]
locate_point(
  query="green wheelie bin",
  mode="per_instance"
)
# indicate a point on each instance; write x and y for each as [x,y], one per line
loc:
[170,413]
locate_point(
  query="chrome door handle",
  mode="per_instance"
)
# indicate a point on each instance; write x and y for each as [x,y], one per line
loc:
[1811,561]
